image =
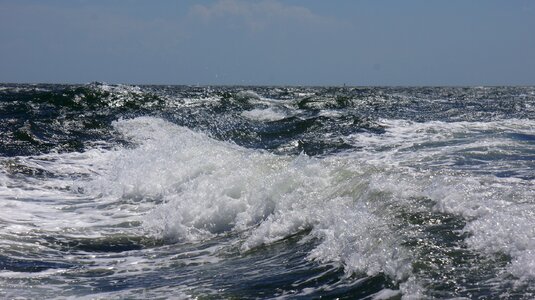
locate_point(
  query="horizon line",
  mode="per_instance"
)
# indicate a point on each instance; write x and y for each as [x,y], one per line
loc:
[272,85]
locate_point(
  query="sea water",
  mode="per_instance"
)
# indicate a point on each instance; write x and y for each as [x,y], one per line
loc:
[118,191]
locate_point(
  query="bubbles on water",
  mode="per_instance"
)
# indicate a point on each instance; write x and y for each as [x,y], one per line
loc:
[433,207]
[204,188]
[351,203]
[268,114]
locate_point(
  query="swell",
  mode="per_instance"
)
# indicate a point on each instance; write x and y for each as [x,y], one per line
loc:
[44,118]
[382,190]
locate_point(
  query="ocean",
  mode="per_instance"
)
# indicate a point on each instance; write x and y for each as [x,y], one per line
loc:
[229,192]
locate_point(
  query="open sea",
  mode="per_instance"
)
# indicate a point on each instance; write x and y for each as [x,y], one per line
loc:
[137,192]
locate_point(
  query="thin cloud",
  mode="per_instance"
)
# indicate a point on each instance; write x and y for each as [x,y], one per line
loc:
[258,15]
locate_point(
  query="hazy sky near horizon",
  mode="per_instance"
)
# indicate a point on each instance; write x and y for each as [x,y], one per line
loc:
[270,42]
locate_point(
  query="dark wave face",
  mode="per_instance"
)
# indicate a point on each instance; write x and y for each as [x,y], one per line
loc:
[115,191]
[42,118]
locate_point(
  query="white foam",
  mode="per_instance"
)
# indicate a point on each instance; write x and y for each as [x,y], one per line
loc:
[268,114]
[207,187]
[186,186]
[247,95]
[386,294]
[499,211]
[43,203]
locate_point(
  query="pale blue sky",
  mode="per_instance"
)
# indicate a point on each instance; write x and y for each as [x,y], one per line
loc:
[293,42]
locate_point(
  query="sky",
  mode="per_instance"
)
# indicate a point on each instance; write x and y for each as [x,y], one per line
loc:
[269,42]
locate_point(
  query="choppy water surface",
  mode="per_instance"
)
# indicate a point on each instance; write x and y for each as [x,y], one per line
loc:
[112,191]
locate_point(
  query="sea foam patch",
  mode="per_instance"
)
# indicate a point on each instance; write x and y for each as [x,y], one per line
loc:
[207,187]
[268,114]
[186,186]
[460,167]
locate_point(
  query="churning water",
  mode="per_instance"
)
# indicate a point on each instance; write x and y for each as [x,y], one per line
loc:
[112,191]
